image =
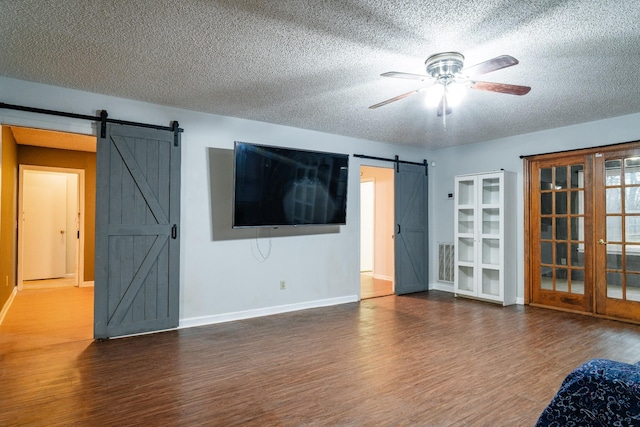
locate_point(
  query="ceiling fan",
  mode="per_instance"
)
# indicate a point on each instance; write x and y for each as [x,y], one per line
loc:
[449,80]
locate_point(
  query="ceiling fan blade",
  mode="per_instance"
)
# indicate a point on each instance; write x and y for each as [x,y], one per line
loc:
[497,63]
[399,75]
[396,98]
[501,88]
[441,108]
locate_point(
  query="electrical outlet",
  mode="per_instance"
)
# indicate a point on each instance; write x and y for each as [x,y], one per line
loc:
[283,285]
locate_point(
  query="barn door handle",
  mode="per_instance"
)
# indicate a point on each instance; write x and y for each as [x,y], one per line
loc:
[174,231]
[398,228]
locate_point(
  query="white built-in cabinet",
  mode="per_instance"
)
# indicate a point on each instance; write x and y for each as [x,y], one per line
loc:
[485,244]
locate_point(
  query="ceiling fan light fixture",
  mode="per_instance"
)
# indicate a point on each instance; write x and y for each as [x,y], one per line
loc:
[455,93]
[445,64]
[434,95]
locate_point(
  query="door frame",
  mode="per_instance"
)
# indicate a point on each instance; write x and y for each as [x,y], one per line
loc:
[372,209]
[79,271]
[381,165]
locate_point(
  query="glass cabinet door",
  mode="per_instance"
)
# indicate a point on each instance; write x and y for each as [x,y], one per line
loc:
[465,217]
[490,235]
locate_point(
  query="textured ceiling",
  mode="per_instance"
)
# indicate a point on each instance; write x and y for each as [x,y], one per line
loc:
[317,64]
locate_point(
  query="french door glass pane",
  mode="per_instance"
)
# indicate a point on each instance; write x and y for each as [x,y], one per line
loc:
[561,254]
[632,229]
[577,225]
[577,255]
[546,178]
[546,253]
[613,201]
[545,228]
[614,228]
[612,170]
[633,287]
[561,203]
[614,285]
[561,280]
[546,203]
[577,176]
[614,260]
[561,178]
[632,170]
[577,282]
[546,278]
[561,229]
[632,200]
[632,258]
[577,202]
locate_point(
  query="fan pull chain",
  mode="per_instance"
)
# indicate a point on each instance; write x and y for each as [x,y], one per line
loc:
[444,108]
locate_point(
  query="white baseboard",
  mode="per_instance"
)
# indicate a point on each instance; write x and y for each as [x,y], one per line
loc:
[86,284]
[446,287]
[440,286]
[383,277]
[7,305]
[267,311]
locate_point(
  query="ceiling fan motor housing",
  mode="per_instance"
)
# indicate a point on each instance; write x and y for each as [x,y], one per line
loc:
[444,65]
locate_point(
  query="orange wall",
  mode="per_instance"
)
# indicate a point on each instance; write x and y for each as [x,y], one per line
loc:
[383,256]
[38,156]
[8,216]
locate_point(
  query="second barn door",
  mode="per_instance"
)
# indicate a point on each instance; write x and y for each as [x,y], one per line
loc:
[411,234]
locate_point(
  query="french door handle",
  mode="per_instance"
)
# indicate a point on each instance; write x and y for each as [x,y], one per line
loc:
[602,242]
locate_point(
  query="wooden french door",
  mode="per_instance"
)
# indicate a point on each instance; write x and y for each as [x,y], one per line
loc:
[583,238]
[617,233]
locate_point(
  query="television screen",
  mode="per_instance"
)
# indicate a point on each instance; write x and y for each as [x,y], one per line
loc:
[275,186]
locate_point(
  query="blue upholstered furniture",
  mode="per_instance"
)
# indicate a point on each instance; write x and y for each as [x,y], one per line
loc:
[598,393]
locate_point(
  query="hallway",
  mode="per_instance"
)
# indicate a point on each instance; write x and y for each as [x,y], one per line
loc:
[47,316]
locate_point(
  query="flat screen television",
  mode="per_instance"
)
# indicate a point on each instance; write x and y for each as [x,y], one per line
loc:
[276,186]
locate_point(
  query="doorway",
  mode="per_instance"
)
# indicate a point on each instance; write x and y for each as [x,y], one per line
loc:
[53,301]
[584,222]
[377,262]
[50,234]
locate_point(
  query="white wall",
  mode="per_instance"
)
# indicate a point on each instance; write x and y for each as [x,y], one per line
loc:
[505,154]
[223,275]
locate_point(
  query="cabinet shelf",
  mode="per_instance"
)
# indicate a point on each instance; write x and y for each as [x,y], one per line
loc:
[485,232]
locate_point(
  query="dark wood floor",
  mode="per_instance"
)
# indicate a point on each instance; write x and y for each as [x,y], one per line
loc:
[425,359]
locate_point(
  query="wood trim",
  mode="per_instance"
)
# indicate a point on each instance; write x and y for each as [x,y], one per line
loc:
[579,151]
[526,184]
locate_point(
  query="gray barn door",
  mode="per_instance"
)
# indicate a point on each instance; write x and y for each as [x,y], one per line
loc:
[411,245]
[137,218]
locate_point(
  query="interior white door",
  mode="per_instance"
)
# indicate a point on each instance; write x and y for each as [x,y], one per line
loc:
[44,225]
[366,225]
